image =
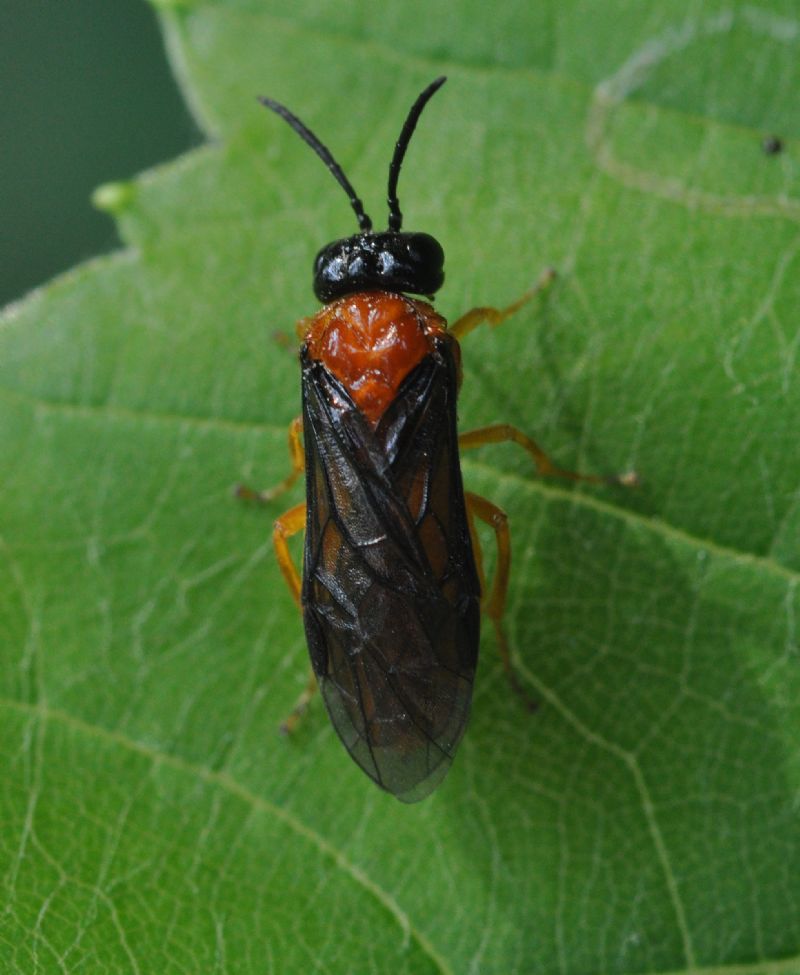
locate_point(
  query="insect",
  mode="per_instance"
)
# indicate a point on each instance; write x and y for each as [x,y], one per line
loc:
[392,584]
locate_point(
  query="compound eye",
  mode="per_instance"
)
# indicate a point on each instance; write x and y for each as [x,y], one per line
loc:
[425,250]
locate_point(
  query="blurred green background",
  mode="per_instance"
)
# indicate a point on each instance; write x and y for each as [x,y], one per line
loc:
[87,98]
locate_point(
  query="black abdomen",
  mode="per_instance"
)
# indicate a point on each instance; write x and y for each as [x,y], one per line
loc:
[390,591]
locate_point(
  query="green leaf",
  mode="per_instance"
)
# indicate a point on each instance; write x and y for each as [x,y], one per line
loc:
[645,818]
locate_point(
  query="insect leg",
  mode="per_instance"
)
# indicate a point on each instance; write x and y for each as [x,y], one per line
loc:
[505,433]
[298,466]
[496,316]
[494,602]
[290,523]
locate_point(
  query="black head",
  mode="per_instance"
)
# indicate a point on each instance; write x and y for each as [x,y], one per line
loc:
[391,261]
[386,261]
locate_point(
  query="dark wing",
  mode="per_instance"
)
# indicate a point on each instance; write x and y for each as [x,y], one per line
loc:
[390,591]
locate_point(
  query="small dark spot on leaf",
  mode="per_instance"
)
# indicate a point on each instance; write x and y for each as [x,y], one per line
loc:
[772,145]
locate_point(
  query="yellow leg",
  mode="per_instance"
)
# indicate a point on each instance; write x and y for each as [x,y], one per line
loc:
[298,466]
[501,432]
[290,523]
[496,316]
[505,433]
[494,601]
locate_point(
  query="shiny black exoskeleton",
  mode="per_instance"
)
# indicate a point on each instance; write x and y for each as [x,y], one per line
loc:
[389,261]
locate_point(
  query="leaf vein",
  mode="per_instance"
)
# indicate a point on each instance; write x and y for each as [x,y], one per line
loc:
[227,783]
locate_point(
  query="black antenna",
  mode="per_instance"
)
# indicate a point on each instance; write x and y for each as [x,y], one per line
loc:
[395,216]
[364,222]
